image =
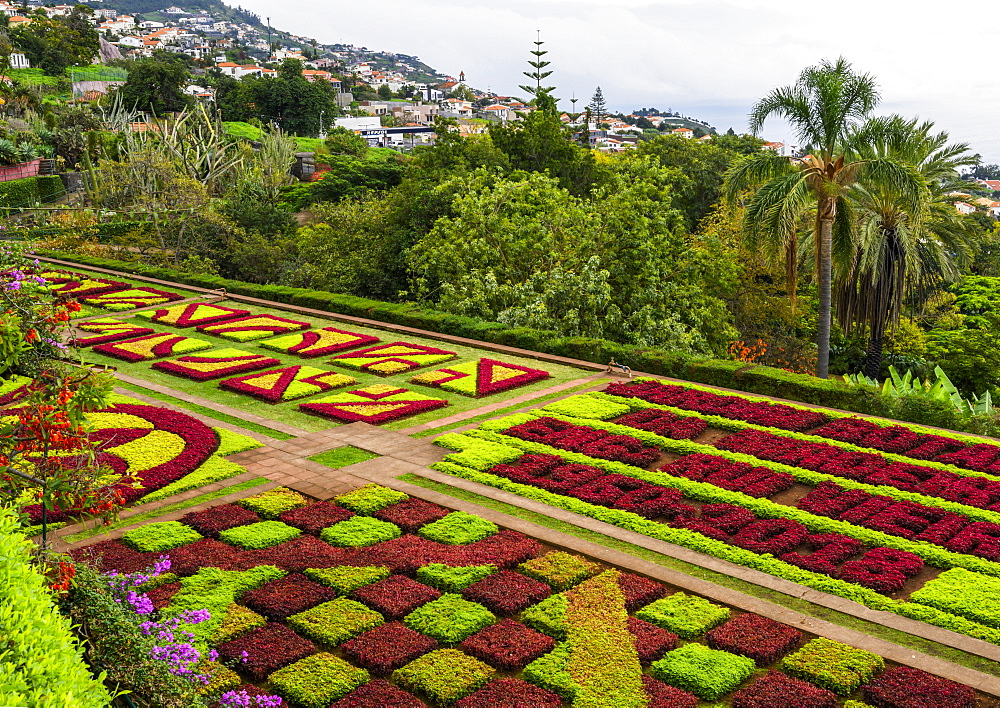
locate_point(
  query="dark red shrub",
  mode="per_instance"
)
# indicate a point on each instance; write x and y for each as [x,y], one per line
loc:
[377,694]
[755,637]
[162,595]
[663,696]
[507,645]
[651,501]
[510,693]
[774,536]
[411,514]
[507,592]
[639,590]
[726,517]
[875,575]
[407,553]
[909,564]
[395,596]
[315,517]
[210,522]
[114,555]
[903,687]
[651,642]
[778,689]
[206,553]
[504,550]
[606,490]
[284,597]
[301,553]
[387,647]
[267,649]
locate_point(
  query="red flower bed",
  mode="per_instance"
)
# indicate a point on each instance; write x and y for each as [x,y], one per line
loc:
[909,564]
[205,553]
[903,687]
[300,553]
[507,592]
[726,517]
[188,316]
[778,689]
[587,441]
[274,324]
[114,335]
[735,476]
[280,599]
[114,555]
[16,394]
[120,349]
[504,550]
[411,514]
[377,694]
[651,642]
[606,490]
[639,591]
[652,501]
[507,645]
[663,696]
[387,647]
[348,340]
[773,415]
[664,423]
[829,551]
[774,536]
[262,651]
[395,596]
[161,596]
[510,693]
[219,518]
[315,517]
[404,555]
[758,638]
[548,472]
[205,367]
[877,576]
[348,411]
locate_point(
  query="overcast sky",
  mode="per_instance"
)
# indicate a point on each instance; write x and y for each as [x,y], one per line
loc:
[709,59]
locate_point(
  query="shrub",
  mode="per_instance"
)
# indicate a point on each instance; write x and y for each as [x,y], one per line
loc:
[903,687]
[219,518]
[449,619]
[507,645]
[395,596]
[651,642]
[360,531]
[837,667]
[273,503]
[510,693]
[370,498]
[443,676]
[315,517]
[221,679]
[639,591]
[377,694]
[451,579]
[411,514]
[458,528]
[549,672]
[548,616]
[265,650]
[335,622]
[263,534]
[298,554]
[160,536]
[388,647]
[684,615]
[345,579]
[238,621]
[406,554]
[280,599]
[317,680]
[114,555]
[707,673]
[777,689]
[559,570]
[756,637]
[505,549]
[663,696]
[506,592]
[963,593]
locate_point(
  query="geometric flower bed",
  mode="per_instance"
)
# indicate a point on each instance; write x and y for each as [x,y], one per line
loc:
[319,342]
[192,314]
[251,327]
[13,388]
[152,346]
[480,378]
[850,538]
[373,404]
[214,365]
[286,384]
[76,285]
[392,358]
[382,641]
[108,329]
[130,298]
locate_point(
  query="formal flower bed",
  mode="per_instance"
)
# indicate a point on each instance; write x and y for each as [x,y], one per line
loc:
[130,298]
[216,364]
[152,346]
[344,629]
[13,388]
[193,314]
[82,286]
[287,384]
[376,404]
[319,342]
[251,327]
[109,329]
[393,358]
[480,378]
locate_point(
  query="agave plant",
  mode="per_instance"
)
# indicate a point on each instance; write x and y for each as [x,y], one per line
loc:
[941,389]
[9,152]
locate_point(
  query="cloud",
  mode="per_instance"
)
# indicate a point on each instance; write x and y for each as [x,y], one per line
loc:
[707,58]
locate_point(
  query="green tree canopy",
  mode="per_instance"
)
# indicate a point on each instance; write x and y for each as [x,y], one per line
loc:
[156,87]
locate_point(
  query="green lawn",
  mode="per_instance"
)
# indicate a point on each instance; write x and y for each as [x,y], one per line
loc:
[343,456]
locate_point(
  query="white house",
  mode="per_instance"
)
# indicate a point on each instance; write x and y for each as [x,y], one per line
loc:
[360,123]
[496,112]
[683,132]
[19,61]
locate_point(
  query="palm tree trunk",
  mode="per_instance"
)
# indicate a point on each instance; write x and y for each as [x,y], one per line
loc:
[873,358]
[827,210]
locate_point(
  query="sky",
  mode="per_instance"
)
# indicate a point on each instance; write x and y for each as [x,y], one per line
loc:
[708,59]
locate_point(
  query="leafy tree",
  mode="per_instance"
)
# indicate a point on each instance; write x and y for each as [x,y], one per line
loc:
[384,92]
[156,87]
[53,44]
[353,177]
[822,106]
[341,141]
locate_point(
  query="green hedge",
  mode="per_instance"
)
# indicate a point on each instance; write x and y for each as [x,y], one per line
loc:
[41,663]
[730,374]
[21,193]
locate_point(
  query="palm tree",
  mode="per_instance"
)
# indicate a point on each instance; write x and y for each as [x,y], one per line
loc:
[823,105]
[898,251]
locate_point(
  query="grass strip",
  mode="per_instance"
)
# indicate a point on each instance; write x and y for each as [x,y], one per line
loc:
[517,407]
[211,413]
[926,646]
[343,456]
[200,499]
